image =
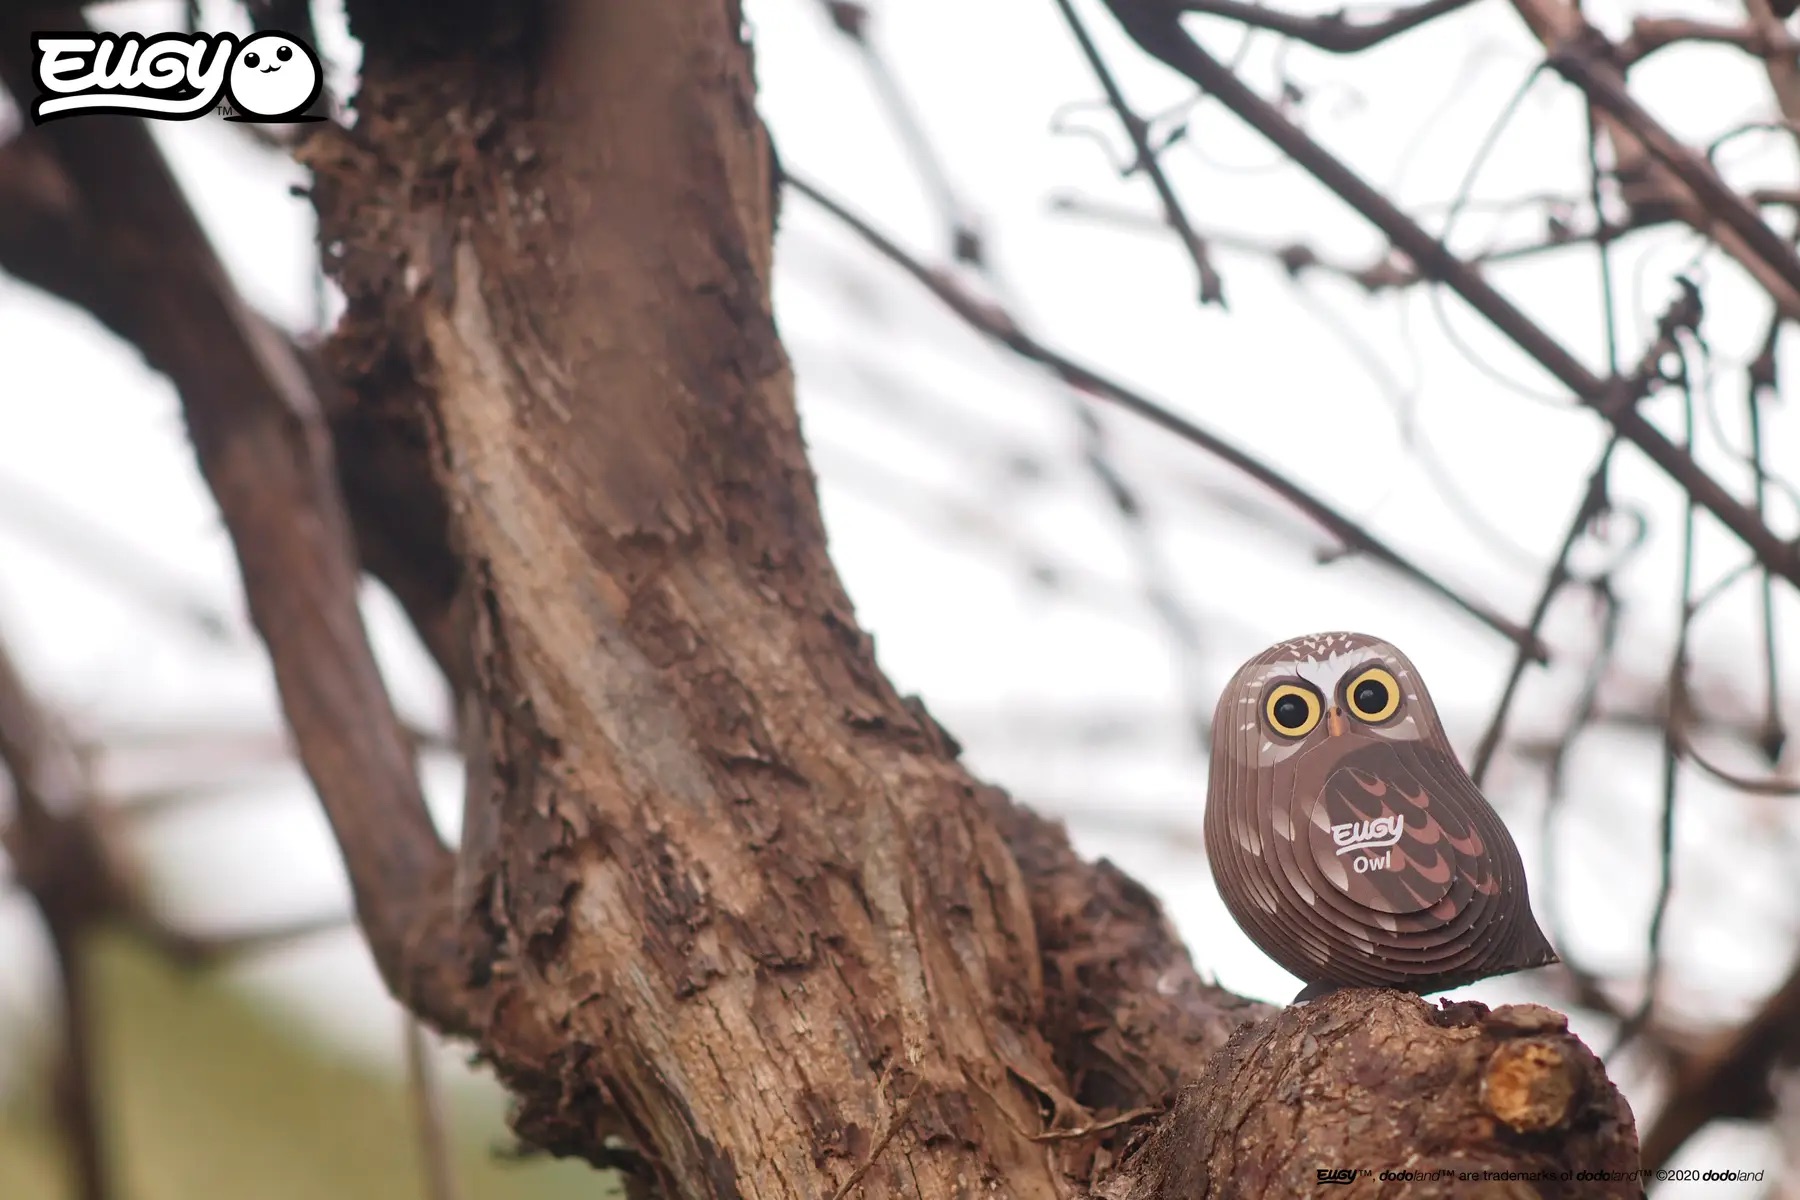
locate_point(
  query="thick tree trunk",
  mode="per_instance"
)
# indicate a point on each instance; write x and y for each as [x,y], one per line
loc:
[763,922]
[757,909]
[728,910]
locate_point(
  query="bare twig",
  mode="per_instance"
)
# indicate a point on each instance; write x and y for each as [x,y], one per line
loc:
[1212,288]
[433,1121]
[112,559]
[1683,314]
[148,270]
[1581,64]
[853,21]
[1556,782]
[1561,28]
[1650,34]
[1762,384]
[78,1106]
[1124,498]
[61,865]
[1090,1129]
[1671,781]
[996,324]
[1615,399]
[1593,504]
[1682,719]
[1388,272]
[1333,31]
[895,1124]
[1729,1078]
[194,952]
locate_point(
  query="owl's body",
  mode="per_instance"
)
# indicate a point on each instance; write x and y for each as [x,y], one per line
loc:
[1346,839]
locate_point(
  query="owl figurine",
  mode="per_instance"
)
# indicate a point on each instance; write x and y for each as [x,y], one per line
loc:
[1346,839]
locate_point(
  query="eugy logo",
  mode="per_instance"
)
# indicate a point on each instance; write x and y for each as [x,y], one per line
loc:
[1365,835]
[174,76]
[1336,1176]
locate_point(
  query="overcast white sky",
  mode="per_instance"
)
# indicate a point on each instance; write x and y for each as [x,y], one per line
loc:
[918,431]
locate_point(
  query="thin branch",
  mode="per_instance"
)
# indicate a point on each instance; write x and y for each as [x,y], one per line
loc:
[87,546]
[1580,63]
[433,1121]
[195,952]
[1212,288]
[1593,504]
[1089,1130]
[146,266]
[1682,719]
[1615,399]
[1389,272]
[1650,34]
[1333,31]
[1763,383]
[58,865]
[895,1125]
[997,325]
[1671,775]
[1783,70]
[78,1105]
[1160,594]
[1728,1079]
[1683,314]
[1559,26]
[1556,781]
[852,20]
[1556,775]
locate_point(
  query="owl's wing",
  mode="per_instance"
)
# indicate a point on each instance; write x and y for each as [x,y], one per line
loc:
[1399,828]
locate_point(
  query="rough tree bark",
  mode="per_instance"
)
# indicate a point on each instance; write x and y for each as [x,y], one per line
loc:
[728,912]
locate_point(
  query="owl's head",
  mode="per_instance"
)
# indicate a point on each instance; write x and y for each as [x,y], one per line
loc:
[1307,691]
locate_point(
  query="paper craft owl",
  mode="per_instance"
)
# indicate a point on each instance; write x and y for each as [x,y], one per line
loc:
[1346,839]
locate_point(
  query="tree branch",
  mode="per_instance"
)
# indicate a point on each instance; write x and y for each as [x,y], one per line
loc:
[1145,158]
[147,270]
[1615,399]
[1539,1096]
[1333,31]
[998,325]
[1560,26]
[65,869]
[1730,1077]
[1650,34]
[1584,62]
[742,905]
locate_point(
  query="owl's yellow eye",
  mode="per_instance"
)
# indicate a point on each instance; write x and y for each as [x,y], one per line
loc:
[1373,696]
[1292,710]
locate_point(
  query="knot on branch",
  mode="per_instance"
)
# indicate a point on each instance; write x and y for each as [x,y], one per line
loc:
[1369,1081]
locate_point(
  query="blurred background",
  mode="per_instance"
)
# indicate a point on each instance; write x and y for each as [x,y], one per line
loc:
[1065,583]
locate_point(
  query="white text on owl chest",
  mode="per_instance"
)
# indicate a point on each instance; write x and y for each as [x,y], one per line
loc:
[1352,836]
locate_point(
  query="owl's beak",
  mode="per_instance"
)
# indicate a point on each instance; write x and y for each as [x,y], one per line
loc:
[1334,721]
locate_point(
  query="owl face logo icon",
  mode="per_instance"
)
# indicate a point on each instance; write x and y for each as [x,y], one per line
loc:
[273,78]
[268,77]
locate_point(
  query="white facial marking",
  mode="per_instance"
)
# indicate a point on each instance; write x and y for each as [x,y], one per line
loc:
[1326,673]
[273,76]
